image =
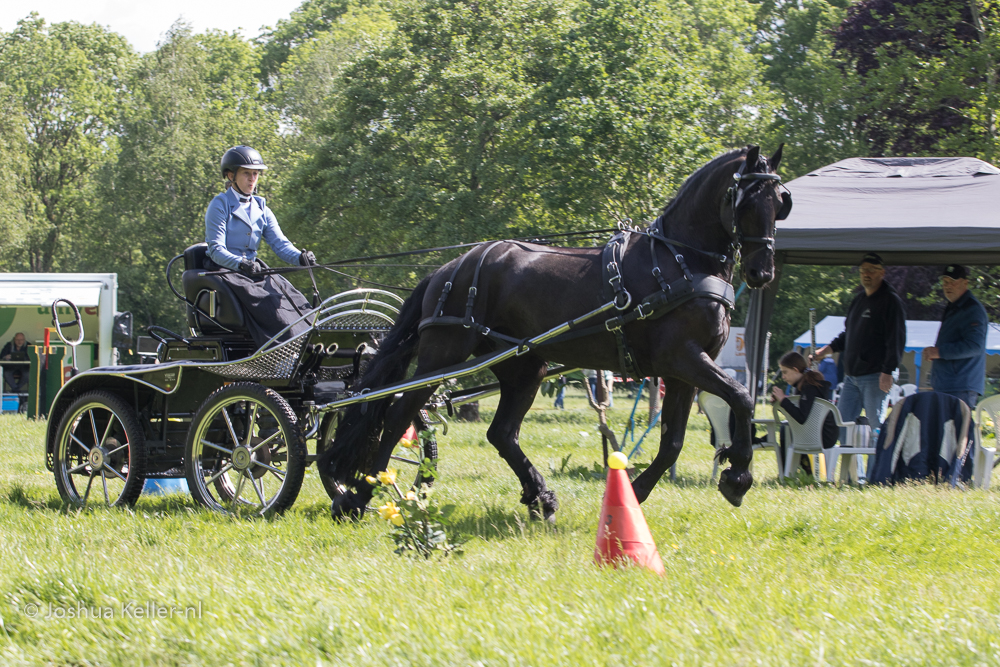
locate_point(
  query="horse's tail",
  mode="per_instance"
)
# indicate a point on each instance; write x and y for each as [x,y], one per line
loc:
[353,449]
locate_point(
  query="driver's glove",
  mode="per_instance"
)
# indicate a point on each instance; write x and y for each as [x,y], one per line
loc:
[249,268]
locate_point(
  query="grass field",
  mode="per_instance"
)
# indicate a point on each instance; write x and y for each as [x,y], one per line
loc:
[798,575]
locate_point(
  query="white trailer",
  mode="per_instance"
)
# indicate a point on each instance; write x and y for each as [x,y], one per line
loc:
[26,301]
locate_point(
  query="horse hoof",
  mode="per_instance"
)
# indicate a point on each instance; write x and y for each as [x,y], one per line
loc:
[544,508]
[347,507]
[734,487]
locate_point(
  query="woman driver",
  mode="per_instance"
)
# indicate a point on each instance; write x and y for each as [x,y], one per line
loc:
[235,223]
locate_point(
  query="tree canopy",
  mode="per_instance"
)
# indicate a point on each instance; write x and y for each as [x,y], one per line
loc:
[393,124]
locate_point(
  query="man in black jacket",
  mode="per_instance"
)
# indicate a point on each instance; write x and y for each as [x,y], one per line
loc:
[871,345]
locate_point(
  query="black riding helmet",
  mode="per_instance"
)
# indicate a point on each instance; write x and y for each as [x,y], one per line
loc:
[242,156]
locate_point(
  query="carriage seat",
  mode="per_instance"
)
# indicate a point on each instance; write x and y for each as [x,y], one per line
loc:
[228,310]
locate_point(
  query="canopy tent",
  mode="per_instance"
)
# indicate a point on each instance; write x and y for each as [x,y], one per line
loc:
[912,211]
[919,334]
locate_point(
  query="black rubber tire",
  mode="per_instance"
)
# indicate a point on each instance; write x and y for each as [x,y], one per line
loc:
[114,420]
[406,470]
[277,421]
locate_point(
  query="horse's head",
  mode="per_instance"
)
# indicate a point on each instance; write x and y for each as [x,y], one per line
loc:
[752,201]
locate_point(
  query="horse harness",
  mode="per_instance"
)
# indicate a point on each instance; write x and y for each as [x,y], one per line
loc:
[656,305]
[669,297]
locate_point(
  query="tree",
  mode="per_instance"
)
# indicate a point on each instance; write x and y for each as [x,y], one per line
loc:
[817,113]
[495,119]
[68,82]
[19,200]
[192,99]
[927,73]
[310,21]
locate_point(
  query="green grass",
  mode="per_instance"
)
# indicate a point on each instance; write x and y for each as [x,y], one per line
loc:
[798,575]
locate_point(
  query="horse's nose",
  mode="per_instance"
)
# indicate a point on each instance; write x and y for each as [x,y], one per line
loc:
[757,277]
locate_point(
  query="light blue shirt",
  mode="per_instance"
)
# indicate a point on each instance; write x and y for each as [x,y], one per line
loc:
[234,231]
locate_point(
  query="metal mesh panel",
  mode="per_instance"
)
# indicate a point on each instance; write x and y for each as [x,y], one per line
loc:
[275,364]
[356,322]
[328,373]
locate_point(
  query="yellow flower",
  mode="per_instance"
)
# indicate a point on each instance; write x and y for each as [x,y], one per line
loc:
[387,477]
[406,444]
[371,480]
[388,510]
[410,495]
[396,519]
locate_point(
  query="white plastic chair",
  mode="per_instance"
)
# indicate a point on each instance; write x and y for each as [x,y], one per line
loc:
[985,457]
[908,389]
[717,411]
[807,438]
[836,393]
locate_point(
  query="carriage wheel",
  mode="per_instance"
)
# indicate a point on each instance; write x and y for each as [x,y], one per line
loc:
[100,452]
[406,461]
[245,452]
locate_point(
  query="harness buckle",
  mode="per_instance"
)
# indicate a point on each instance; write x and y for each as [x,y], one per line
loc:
[628,299]
[643,315]
[613,325]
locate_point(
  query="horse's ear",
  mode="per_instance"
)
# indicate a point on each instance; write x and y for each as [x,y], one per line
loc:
[776,158]
[753,154]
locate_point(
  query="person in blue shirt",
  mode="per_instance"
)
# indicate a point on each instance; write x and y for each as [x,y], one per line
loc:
[236,221]
[959,354]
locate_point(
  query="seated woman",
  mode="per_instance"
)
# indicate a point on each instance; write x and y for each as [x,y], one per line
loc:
[236,221]
[810,385]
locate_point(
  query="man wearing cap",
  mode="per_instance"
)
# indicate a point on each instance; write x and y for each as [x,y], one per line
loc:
[871,345]
[959,354]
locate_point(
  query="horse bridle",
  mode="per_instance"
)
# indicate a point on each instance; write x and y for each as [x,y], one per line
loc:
[735,197]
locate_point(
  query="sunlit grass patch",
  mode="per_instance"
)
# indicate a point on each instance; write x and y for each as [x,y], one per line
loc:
[799,574]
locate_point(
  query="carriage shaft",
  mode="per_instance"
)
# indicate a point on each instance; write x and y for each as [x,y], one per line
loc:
[461,370]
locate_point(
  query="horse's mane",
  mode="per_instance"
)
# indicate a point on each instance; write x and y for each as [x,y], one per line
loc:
[694,181]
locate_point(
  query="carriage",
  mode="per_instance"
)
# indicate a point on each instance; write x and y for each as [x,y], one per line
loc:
[232,419]
[235,420]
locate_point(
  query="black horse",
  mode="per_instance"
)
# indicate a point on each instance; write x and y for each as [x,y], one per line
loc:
[521,290]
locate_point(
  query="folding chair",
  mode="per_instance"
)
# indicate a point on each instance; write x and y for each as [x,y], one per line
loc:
[985,458]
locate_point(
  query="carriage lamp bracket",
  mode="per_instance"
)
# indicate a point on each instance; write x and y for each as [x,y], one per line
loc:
[77,321]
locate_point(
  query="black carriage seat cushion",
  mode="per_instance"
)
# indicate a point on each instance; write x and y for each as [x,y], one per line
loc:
[229,312]
[194,257]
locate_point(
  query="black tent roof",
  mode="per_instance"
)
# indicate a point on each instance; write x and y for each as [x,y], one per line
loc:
[909,210]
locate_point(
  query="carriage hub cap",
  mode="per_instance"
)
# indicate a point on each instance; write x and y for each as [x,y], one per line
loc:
[242,458]
[97,457]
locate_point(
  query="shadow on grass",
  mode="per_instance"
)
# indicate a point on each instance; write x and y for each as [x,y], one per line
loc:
[496,523]
[18,496]
[486,523]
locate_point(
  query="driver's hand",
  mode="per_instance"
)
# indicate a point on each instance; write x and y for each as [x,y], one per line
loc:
[307,258]
[249,268]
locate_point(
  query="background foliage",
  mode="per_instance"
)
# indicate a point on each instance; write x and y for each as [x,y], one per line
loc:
[393,124]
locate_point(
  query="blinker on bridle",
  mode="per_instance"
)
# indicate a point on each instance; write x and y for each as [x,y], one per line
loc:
[735,196]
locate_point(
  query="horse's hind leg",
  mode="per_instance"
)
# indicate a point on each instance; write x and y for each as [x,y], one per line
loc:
[673,423]
[519,381]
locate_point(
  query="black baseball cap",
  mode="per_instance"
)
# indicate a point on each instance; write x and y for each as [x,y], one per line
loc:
[955,271]
[872,258]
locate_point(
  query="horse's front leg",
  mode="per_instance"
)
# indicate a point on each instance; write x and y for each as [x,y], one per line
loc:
[700,371]
[673,424]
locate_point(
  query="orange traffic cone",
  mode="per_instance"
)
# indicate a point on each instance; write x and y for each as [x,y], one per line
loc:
[622,531]
[411,434]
